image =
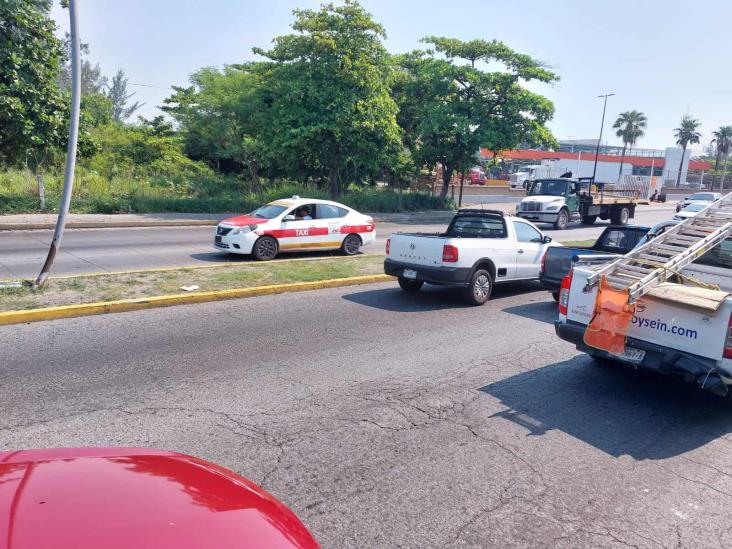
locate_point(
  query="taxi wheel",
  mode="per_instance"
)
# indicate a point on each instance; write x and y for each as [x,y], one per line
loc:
[265,248]
[351,244]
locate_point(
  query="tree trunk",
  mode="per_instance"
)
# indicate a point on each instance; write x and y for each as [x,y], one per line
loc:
[256,181]
[462,180]
[622,159]
[446,178]
[681,165]
[716,169]
[41,191]
[335,187]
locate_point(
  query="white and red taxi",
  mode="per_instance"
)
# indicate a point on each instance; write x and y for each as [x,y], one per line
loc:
[295,224]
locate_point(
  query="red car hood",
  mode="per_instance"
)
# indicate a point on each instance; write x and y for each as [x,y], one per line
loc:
[125,497]
[243,220]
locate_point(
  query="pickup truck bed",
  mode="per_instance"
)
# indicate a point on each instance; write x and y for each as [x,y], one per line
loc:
[614,240]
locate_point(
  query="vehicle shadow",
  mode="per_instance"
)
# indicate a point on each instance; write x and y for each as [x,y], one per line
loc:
[221,257]
[543,311]
[617,410]
[431,298]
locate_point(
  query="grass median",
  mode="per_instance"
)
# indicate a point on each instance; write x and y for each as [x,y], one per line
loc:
[112,287]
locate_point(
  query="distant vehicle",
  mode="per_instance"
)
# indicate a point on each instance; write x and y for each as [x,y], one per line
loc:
[479,249]
[690,211]
[559,201]
[295,224]
[89,498]
[477,176]
[698,198]
[520,179]
[614,241]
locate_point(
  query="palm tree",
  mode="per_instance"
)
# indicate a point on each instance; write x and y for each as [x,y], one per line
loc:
[630,127]
[687,132]
[723,142]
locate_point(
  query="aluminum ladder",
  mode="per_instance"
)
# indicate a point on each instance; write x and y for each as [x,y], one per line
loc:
[660,258]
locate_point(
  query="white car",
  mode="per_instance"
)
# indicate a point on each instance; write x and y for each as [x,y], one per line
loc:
[295,224]
[691,210]
[698,198]
[479,249]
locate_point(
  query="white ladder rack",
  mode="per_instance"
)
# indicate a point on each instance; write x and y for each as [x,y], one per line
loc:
[658,259]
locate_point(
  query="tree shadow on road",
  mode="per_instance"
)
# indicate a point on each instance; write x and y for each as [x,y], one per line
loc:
[431,298]
[615,409]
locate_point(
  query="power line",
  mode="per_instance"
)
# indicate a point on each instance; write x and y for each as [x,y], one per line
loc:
[150,86]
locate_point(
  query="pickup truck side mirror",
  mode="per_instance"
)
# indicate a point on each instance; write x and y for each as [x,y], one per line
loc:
[546,239]
[289,218]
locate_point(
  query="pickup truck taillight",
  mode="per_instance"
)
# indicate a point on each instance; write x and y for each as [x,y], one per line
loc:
[564,293]
[728,343]
[388,245]
[449,254]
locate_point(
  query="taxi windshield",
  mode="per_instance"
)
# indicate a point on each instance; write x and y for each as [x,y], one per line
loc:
[268,211]
[553,187]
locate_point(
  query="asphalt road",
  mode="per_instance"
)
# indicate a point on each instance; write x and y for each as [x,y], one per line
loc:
[22,253]
[390,420]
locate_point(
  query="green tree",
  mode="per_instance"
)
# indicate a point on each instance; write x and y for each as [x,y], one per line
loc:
[118,95]
[92,79]
[221,119]
[450,106]
[31,105]
[722,143]
[329,107]
[630,126]
[687,133]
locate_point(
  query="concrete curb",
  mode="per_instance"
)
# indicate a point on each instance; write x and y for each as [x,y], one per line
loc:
[124,305]
[431,216]
[102,225]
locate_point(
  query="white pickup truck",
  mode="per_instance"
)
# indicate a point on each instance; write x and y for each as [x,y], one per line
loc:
[668,333]
[479,249]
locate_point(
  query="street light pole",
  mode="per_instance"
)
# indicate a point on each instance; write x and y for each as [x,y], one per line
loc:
[63,207]
[602,125]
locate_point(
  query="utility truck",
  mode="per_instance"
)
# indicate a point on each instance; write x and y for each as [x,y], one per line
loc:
[560,201]
[634,310]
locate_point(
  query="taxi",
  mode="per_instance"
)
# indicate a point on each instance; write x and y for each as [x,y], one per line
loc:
[295,225]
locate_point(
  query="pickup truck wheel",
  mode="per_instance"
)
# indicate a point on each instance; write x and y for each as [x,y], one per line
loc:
[410,285]
[265,248]
[562,219]
[555,295]
[481,285]
[589,219]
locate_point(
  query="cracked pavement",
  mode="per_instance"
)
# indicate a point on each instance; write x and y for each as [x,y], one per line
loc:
[390,420]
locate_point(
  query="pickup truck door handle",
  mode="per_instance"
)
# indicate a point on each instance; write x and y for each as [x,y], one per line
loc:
[520,251]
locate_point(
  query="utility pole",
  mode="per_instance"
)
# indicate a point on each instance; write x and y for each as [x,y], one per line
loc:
[602,125]
[63,207]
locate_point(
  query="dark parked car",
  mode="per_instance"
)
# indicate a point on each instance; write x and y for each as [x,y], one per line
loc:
[614,240]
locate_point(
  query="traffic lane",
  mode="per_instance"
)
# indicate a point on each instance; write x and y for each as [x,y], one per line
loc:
[86,251]
[388,419]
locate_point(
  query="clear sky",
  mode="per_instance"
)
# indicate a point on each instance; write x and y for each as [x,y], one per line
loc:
[662,57]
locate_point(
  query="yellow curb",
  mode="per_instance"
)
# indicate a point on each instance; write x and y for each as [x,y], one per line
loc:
[124,305]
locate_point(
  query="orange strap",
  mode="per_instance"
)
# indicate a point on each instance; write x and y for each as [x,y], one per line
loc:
[611,318]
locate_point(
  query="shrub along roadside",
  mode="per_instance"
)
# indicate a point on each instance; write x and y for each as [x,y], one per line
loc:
[18,194]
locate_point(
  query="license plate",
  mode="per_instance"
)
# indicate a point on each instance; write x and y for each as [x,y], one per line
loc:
[632,355]
[217,239]
[409,273]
